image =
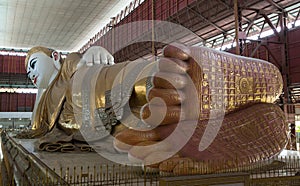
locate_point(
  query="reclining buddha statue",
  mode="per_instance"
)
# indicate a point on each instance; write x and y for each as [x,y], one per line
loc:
[192,104]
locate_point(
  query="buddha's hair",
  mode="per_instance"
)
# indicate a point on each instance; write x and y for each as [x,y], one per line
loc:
[47,51]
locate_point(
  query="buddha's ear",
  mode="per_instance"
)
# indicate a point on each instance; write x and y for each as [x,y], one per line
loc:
[56,59]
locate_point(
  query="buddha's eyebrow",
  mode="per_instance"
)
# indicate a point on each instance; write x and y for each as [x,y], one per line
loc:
[32,60]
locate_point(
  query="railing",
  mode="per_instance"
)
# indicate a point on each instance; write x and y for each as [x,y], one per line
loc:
[282,171]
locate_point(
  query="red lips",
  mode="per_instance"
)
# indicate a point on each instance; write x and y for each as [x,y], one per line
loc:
[34,80]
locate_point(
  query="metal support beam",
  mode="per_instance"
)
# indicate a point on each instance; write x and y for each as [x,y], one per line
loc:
[271,25]
[255,50]
[251,23]
[237,19]
[206,20]
[275,5]
[285,73]
[284,54]
[244,18]
[262,28]
[296,18]
[223,40]
[242,35]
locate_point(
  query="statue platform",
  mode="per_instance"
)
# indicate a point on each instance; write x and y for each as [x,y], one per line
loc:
[24,165]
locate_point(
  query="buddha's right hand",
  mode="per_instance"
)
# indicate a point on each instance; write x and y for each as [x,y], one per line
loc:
[96,55]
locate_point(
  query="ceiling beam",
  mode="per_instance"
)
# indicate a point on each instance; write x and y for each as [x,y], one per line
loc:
[267,20]
[231,8]
[297,16]
[251,23]
[206,20]
[275,5]
[271,24]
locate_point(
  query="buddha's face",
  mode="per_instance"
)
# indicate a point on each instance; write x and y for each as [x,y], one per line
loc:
[40,69]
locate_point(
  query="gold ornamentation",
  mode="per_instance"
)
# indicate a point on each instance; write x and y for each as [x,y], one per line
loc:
[245,85]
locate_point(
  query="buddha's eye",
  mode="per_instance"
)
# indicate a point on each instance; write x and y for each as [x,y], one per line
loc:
[32,63]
